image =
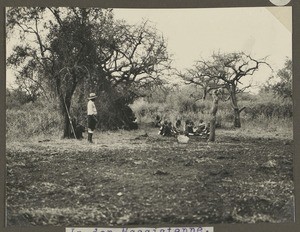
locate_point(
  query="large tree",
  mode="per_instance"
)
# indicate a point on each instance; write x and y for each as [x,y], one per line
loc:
[57,48]
[227,71]
[134,60]
[83,49]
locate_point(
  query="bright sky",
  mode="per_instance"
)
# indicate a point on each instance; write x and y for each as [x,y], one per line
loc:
[195,33]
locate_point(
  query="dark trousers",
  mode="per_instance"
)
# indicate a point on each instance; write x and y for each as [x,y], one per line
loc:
[92,121]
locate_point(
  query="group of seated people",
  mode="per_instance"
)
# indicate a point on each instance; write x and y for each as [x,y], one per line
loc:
[189,129]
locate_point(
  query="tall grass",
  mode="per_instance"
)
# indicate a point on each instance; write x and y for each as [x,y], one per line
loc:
[33,120]
[266,127]
[262,114]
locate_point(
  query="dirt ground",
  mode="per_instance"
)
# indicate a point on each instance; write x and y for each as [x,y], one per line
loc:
[141,178]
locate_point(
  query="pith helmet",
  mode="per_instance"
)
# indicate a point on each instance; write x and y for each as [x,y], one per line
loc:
[92,96]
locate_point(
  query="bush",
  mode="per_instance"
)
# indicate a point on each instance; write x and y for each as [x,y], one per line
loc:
[114,112]
[182,109]
[181,105]
[146,111]
[269,109]
[185,103]
[16,98]
[263,125]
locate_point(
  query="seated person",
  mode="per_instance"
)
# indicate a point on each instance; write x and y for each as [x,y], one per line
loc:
[207,129]
[200,129]
[166,129]
[177,127]
[178,123]
[201,125]
[189,127]
[162,128]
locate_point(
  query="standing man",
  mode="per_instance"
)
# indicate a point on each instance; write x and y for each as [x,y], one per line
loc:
[92,116]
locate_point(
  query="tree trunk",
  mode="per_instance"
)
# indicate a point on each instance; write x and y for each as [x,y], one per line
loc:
[65,105]
[66,111]
[67,126]
[204,94]
[81,112]
[236,111]
[213,114]
[237,119]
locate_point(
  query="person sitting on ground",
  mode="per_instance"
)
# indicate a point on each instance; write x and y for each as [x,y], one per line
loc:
[186,123]
[189,127]
[200,129]
[178,124]
[177,128]
[168,130]
[201,125]
[162,128]
[206,131]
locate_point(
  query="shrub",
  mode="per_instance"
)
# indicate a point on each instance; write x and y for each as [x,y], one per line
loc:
[181,105]
[146,111]
[16,98]
[269,110]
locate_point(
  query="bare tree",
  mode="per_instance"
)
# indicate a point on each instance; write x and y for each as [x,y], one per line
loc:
[199,76]
[136,55]
[227,70]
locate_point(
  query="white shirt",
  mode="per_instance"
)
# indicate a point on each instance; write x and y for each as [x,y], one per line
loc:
[91,108]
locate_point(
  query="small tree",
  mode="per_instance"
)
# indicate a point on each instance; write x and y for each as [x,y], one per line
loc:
[283,87]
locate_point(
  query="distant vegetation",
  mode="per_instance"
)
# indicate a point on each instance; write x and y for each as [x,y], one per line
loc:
[26,118]
[77,51]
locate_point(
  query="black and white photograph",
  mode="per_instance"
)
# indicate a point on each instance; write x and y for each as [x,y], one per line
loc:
[119,117]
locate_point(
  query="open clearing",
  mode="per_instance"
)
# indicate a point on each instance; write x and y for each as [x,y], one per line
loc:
[133,178]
